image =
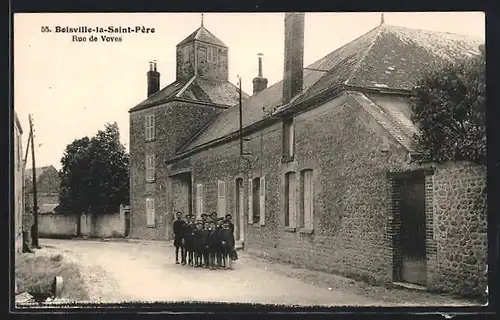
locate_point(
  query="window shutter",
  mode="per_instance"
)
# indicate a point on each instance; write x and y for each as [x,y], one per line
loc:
[250,201]
[148,212]
[146,127]
[152,127]
[262,201]
[291,138]
[292,201]
[153,216]
[221,193]
[199,198]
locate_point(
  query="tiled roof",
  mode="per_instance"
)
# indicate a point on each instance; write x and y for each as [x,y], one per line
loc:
[28,173]
[197,89]
[202,34]
[385,57]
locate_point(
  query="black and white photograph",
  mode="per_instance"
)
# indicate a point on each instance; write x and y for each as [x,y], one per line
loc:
[289,158]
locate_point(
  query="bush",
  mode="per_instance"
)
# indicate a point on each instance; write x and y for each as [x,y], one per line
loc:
[449,108]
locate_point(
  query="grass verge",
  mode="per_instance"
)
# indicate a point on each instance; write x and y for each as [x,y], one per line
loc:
[35,273]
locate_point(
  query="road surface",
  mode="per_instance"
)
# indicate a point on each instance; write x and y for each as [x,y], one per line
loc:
[126,271]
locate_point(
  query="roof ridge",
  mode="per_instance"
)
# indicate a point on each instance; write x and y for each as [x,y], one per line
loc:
[393,26]
[378,30]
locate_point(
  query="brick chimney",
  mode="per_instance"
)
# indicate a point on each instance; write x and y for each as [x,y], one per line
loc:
[259,82]
[293,72]
[153,79]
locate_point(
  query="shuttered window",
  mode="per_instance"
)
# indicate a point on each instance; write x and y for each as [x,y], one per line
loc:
[199,200]
[307,199]
[150,127]
[290,203]
[150,212]
[256,200]
[150,168]
[221,198]
[250,201]
[288,138]
[262,203]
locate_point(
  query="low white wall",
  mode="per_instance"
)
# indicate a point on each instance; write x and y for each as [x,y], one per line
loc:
[66,225]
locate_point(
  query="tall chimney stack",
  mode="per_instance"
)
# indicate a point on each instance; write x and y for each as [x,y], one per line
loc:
[293,72]
[153,79]
[259,82]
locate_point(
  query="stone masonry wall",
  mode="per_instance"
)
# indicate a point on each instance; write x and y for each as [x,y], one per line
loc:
[175,123]
[461,228]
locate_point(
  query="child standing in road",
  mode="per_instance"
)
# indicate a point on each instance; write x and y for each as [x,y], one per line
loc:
[198,244]
[218,246]
[211,243]
[227,245]
[205,232]
[189,239]
[178,228]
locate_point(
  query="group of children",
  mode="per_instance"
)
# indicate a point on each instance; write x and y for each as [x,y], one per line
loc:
[207,242]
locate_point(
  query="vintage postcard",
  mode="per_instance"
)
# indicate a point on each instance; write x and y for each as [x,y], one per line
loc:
[293,159]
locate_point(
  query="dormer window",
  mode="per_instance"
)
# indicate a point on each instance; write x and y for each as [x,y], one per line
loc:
[288,140]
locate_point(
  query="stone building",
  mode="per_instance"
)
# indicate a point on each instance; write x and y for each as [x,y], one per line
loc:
[47,182]
[326,177]
[18,170]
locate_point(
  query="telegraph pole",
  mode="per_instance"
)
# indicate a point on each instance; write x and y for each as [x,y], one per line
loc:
[34,230]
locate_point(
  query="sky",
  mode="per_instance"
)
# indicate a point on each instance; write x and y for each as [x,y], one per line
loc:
[72,89]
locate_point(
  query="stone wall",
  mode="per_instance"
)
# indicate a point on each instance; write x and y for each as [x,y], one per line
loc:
[460,213]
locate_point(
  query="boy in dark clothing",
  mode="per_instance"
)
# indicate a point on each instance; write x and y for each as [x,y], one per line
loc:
[218,246]
[178,230]
[211,242]
[205,232]
[227,245]
[198,244]
[213,215]
[229,220]
[189,239]
[203,218]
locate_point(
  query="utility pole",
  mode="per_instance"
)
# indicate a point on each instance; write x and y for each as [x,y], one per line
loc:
[241,121]
[34,230]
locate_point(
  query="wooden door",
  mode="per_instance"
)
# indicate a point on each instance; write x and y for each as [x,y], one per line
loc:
[413,231]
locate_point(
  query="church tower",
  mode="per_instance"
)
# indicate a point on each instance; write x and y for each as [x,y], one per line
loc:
[203,55]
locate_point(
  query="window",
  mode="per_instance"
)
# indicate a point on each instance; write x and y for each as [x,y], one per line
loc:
[262,199]
[290,200]
[306,199]
[199,200]
[288,139]
[19,151]
[250,201]
[150,127]
[221,198]
[150,212]
[185,53]
[150,168]
[256,200]
[210,53]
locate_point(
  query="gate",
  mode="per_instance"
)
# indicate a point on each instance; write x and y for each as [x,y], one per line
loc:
[412,240]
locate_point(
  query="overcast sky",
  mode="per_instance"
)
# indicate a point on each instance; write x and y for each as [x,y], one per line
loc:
[73,89]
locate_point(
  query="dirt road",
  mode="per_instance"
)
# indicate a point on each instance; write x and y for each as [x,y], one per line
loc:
[123,271]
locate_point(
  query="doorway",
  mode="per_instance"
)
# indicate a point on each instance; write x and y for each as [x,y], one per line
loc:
[240,206]
[182,193]
[412,231]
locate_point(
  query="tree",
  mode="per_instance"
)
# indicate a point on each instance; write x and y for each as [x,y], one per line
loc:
[95,174]
[449,107]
